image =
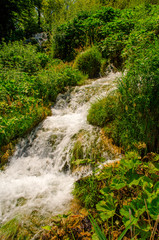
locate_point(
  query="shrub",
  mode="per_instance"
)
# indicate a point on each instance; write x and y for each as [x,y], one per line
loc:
[103,111]
[135,42]
[89,62]
[23,57]
[50,82]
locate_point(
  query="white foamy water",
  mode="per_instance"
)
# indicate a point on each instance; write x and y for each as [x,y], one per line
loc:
[38,177]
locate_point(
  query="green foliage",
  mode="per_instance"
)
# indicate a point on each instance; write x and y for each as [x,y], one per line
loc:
[86,190]
[18,19]
[127,3]
[124,193]
[103,111]
[24,114]
[23,98]
[82,31]
[51,82]
[135,109]
[99,233]
[89,62]
[77,153]
[139,91]
[114,35]
[25,91]
[131,192]
[22,57]
[104,65]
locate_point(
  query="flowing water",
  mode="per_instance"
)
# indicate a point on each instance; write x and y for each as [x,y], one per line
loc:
[38,176]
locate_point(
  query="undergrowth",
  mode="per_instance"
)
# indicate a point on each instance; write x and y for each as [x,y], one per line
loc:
[124,193]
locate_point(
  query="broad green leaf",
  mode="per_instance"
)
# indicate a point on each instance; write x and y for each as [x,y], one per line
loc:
[138,205]
[106,208]
[117,183]
[144,226]
[125,212]
[147,193]
[156,187]
[133,178]
[146,182]
[105,191]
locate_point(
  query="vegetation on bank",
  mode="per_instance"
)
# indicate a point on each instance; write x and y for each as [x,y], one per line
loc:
[29,83]
[126,38]
[121,195]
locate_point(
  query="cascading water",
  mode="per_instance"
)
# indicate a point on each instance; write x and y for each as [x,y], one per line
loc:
[38,176]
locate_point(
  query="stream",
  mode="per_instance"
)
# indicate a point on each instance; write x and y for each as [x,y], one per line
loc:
[38,176]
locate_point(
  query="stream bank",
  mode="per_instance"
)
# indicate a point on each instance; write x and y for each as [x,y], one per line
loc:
[39,176]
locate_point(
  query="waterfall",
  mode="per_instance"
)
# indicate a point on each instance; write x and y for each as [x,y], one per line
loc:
[38,175]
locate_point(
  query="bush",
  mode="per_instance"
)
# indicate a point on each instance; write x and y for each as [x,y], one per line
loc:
[20,117]
[103,111]
[50,82]
[136,43]
[22,57]
[104,67]
[89,62]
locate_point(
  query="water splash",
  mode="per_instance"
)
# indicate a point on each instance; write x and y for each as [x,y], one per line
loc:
[38,177]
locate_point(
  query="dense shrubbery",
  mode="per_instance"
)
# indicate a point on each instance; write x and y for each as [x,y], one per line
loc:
[107,28]
[136,112]
[89,62]
[82,31]
[50,82]
[22,57]
[26,87]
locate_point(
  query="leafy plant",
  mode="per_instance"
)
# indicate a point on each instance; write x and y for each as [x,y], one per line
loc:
[127,194]
[89,62]
[139,199]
